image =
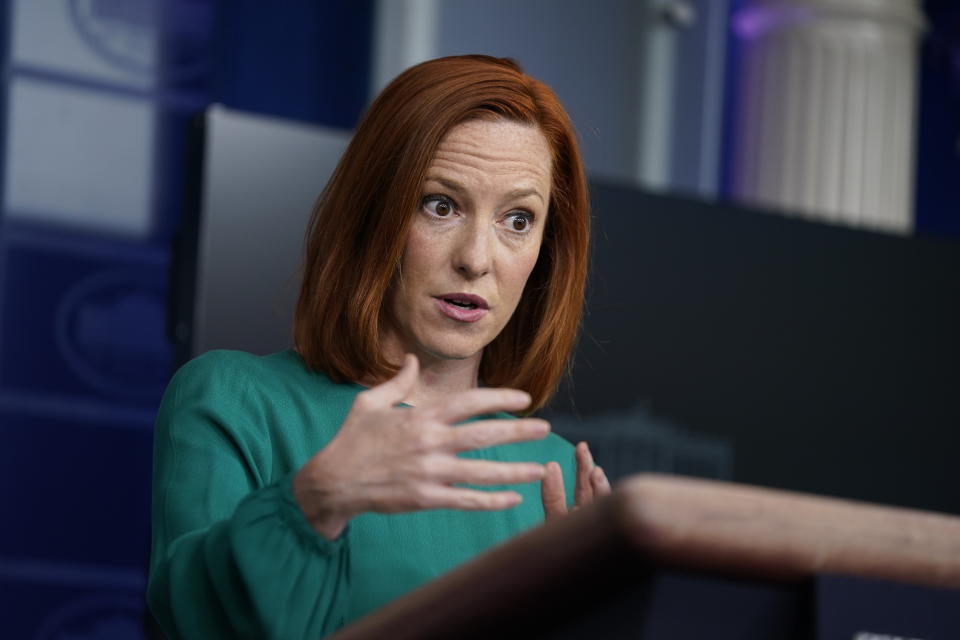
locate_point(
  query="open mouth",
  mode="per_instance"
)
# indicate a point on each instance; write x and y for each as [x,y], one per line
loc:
[463,300]
[463,304]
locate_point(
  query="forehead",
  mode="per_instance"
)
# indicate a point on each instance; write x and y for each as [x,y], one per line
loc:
[496,147]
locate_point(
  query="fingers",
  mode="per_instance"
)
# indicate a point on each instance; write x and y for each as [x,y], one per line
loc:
[552,493]
[583,490]
[487,433]
[441,497]
[483,472]
[396,389]
[599,482]
[474,402]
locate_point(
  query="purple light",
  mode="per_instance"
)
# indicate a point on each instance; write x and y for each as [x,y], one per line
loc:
[753,22]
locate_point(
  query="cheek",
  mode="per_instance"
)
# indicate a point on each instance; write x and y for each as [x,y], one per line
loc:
[519,271]
[418,255]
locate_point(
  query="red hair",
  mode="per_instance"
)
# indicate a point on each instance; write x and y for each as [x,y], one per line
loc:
[358,228]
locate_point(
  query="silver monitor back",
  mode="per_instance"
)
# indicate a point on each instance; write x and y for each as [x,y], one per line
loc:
[260,179]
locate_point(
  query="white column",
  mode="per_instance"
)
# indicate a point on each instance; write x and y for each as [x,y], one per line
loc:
[404,35]
[825,122]
[679,93]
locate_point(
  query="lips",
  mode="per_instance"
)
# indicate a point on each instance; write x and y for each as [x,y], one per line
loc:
[462,307]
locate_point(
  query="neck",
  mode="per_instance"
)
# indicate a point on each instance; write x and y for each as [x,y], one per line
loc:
[439,377]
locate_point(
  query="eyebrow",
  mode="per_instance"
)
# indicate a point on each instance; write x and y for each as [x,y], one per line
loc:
[516,194]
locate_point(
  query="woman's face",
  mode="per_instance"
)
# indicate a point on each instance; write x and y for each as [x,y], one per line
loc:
[473,240]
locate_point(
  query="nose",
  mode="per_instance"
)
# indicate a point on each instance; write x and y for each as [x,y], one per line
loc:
[472,255]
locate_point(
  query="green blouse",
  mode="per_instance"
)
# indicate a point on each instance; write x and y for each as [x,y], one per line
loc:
[232,553]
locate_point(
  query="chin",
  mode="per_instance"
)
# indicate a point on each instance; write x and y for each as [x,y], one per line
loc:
[450,353]
[452,349]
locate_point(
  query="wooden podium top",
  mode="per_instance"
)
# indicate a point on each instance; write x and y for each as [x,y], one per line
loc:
[653,520]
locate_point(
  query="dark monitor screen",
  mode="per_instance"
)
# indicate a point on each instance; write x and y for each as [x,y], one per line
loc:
[255,180]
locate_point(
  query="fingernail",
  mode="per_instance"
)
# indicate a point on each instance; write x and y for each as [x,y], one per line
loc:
[541,426]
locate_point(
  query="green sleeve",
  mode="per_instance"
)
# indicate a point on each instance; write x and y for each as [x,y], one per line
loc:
[232,555]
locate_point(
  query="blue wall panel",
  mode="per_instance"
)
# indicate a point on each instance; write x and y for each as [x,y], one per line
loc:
[85,318]
[43,610]
[83,291]
[938,122]
[76,485]
[307,62]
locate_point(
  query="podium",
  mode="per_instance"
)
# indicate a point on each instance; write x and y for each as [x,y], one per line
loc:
[675,558]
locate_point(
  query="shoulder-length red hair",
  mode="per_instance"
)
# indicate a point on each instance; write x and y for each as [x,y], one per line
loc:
[359,224]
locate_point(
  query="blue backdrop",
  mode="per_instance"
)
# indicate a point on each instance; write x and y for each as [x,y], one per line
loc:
[97,97]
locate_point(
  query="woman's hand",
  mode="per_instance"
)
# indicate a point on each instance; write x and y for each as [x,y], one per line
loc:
[591,484]
[390,459]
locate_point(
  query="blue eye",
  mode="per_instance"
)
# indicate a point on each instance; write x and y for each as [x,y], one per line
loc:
[441,206]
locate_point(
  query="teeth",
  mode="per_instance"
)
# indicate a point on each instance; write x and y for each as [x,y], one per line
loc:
[461,303]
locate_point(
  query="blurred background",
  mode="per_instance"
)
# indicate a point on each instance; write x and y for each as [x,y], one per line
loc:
[774,297]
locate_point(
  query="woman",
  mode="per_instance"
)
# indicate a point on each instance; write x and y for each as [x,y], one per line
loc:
[443,281]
